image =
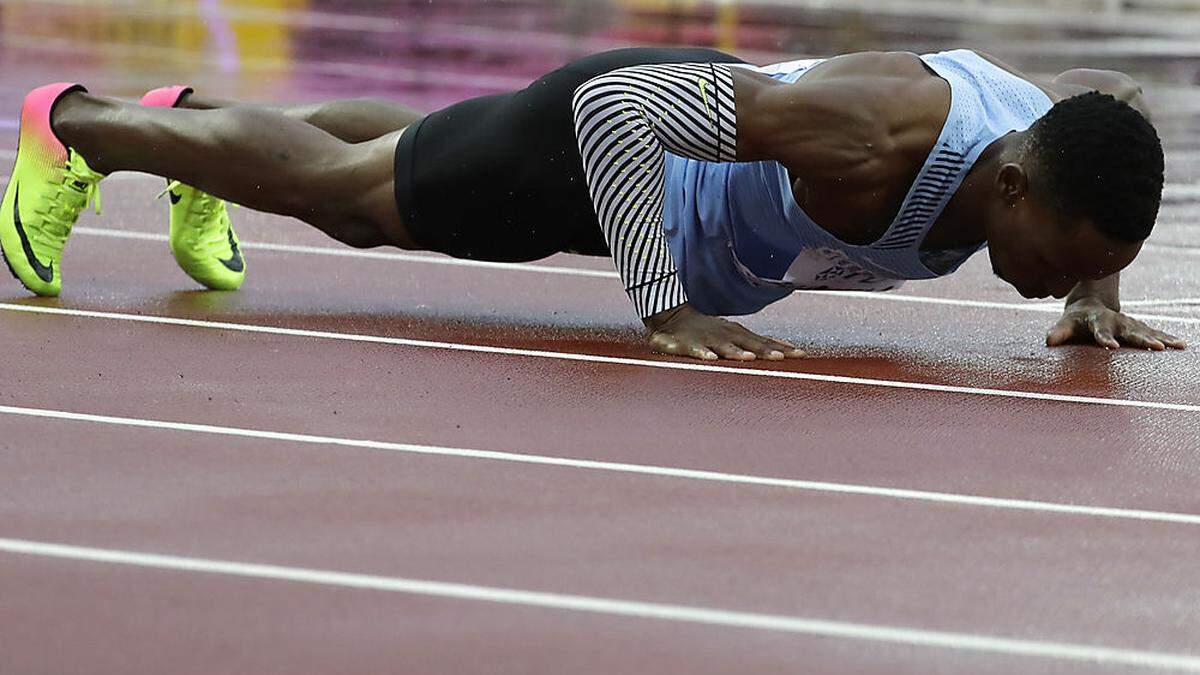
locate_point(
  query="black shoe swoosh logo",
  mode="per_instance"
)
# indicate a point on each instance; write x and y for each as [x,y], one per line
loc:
[174,196]
[44,272]
[235,262]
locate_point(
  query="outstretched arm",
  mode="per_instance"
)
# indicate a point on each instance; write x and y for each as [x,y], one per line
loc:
[624,121]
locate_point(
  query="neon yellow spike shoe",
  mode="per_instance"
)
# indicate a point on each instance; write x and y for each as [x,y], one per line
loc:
[50,186]
[202,238]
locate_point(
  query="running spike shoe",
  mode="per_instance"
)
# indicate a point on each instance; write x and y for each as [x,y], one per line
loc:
[49,187]
[201,236]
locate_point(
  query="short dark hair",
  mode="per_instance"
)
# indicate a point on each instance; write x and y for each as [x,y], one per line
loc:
[1102,160]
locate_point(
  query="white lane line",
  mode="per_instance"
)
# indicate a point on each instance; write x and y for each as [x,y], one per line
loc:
[1178,249]
[1165,302]
[626,468]
[1181,192]
[360,253]
[1092,654]
[429,259]
[597,358]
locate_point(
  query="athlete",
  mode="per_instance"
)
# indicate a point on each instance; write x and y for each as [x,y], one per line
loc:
[717,187]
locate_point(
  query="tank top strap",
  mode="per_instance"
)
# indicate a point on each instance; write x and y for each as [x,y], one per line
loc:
[986,102]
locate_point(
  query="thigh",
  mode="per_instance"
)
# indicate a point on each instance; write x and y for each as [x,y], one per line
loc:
[350,120]
[356,120]
[368,216]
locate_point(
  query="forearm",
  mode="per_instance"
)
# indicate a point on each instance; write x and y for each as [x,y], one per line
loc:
[1106,291]
[624,122]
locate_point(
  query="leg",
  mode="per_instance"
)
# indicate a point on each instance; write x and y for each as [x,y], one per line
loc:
[353,121]
[258,158]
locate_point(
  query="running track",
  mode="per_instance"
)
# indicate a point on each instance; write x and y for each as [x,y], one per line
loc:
[371,462]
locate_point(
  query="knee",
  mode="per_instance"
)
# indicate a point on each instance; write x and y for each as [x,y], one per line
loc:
[358,234]
[325,114]
[355,234]
[231,126]
[355,120]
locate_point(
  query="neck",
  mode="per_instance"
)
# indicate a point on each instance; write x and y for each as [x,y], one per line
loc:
[966,208]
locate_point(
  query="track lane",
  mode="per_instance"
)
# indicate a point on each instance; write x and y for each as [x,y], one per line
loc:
[614,412]
[187,624]
[836,557]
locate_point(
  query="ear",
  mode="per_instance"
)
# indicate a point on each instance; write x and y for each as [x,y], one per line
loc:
[1012,183]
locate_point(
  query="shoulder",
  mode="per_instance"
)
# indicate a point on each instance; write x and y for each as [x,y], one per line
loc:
[1053,90]
[1115,83]
[1004,66]
[1079,81]
[1120,85]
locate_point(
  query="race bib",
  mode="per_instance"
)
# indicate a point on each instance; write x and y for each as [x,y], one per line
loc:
[831,269]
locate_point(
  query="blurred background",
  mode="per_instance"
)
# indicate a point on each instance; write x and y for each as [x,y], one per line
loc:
[432,52]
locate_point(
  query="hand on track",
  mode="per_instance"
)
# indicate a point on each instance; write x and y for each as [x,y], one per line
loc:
[683,331]
[1088,320]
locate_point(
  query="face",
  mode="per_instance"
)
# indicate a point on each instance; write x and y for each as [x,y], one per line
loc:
[1041,253]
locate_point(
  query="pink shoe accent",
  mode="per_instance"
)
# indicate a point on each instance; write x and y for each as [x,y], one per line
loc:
[166,97]
[35,118]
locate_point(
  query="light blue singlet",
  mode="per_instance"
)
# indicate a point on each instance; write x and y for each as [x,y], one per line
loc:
[740,241]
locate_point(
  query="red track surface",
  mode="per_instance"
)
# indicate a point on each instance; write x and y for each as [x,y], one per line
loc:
[1116,581]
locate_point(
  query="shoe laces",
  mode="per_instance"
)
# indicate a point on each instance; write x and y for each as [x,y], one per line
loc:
[204,206]
[78,188]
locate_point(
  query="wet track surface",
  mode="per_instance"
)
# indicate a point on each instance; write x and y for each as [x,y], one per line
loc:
[396,355]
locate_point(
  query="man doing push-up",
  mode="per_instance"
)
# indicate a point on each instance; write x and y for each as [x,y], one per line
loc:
[717,187]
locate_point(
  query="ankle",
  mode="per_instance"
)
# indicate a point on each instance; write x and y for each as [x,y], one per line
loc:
[77,119]
[71,114]
[192,101]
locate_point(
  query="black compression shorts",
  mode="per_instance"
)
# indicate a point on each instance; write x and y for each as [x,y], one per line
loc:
[499,177]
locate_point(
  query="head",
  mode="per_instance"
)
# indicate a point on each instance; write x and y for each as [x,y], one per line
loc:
[1074,196]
